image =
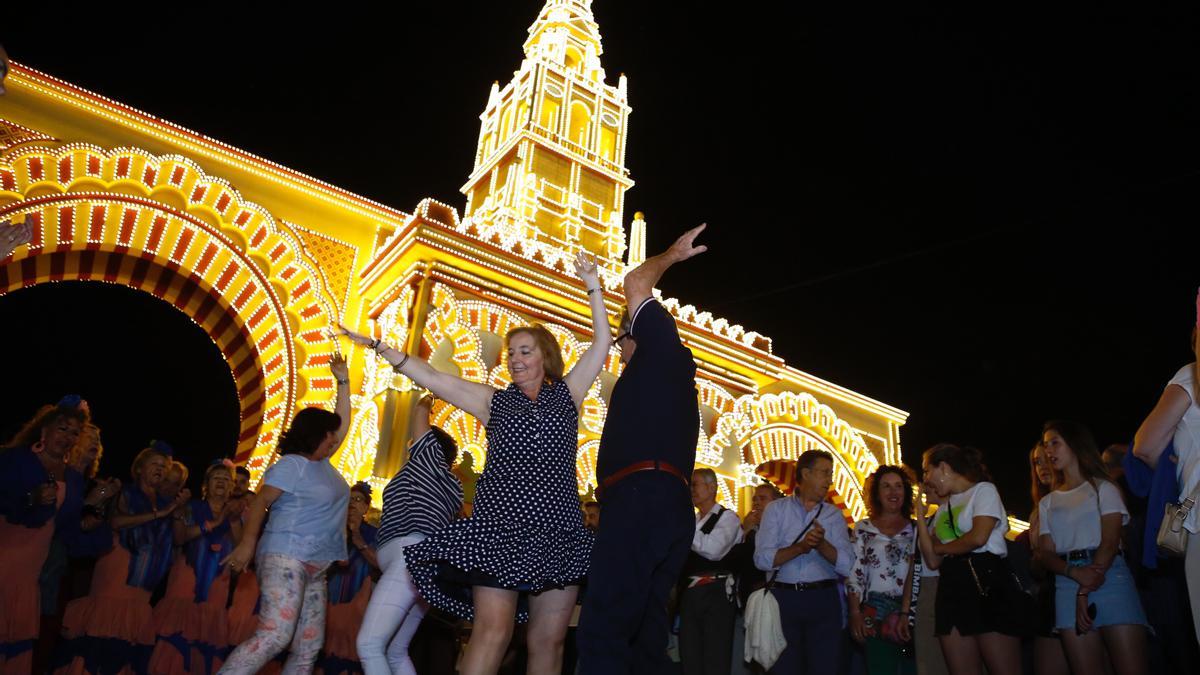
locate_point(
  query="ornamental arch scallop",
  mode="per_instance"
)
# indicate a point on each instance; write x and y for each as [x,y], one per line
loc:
[160,225]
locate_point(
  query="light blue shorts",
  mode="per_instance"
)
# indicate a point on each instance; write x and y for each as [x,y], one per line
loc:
[1116,601]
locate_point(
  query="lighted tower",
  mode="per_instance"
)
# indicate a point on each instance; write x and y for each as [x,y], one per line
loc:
[550,164]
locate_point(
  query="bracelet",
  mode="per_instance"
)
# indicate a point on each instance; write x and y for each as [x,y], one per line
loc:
[1081,595]
[396,368]
[375,344]
[593,290]
[341,382]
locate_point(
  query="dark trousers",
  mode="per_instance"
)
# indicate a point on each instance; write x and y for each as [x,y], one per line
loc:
[706,630]
[646,527]
[812,626]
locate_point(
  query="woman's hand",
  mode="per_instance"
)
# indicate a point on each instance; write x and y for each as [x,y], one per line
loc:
[102,490]
[241,556]
[585,268]
[921,507]
[425,405]
[1083,621]
[903,630]
[356,338]
[338,367]
[182,498]
[232,510]
[12,236]
[1089,578]
[858,627]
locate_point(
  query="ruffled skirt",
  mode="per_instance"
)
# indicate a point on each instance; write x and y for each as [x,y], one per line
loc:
[113,627]
[502,554]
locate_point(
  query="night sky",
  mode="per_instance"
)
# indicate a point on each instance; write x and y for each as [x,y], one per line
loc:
[985,222]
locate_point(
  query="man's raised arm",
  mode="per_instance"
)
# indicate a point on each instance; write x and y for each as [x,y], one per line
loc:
[640,282]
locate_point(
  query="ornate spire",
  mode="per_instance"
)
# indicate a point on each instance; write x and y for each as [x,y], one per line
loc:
[566,34]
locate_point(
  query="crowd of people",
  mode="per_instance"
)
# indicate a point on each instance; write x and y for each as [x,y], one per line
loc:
[103,575]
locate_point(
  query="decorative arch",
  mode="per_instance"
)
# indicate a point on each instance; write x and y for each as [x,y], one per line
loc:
[775,427]
[161,225]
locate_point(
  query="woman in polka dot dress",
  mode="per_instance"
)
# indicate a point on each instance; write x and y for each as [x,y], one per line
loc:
[524,551]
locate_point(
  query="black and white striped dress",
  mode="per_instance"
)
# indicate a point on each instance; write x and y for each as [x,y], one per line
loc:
[423,497]
[526,532]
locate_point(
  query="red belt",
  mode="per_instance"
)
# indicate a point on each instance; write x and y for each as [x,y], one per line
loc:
[648,465]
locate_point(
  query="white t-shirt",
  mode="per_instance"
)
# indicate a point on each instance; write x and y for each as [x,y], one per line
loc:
[1072,517]
[1187,443]
[981,500]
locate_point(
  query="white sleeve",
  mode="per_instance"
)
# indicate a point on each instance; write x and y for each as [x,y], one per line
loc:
[1111,502]
[986,502]
[1043,519]
[1185,379]
[716,544]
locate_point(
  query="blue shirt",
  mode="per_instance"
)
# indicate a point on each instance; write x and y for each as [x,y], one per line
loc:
[782,522]
[308,521]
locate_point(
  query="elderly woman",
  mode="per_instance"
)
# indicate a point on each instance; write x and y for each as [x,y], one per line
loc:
[36,485]
[878,589]
[306,533]
[190,620]
[112,627]
[524,551]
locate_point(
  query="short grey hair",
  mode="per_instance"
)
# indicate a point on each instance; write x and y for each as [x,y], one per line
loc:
[710,476]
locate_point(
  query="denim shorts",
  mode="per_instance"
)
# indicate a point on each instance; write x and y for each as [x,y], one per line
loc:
[1116,601]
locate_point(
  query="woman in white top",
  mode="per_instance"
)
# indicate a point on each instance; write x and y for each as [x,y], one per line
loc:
[929,653]
[981,611]
[880,582]
[1176,418]
[1079,540]
[1048,655]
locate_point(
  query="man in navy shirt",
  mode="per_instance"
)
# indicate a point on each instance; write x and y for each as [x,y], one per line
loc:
[647,450]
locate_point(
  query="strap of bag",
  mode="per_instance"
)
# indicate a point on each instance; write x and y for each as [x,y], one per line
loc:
[795,541]
[711,522]
[1186,504]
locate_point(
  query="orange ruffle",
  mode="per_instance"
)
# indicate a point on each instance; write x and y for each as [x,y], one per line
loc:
[342,622]
[23,551]
[113,609]
[242,621]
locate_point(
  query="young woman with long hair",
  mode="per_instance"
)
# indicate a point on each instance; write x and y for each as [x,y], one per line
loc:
[979,614]
[1079,528]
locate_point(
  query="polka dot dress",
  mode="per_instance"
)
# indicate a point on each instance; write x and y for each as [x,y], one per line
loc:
[526,532]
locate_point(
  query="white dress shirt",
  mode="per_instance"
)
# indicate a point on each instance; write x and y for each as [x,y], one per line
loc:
[725,535]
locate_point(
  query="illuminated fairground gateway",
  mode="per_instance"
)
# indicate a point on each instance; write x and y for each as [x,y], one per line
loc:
[266,260]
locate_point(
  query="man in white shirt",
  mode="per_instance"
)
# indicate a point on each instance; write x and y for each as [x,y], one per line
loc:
[706,612]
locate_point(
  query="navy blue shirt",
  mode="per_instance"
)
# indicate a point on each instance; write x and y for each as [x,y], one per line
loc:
[653,413]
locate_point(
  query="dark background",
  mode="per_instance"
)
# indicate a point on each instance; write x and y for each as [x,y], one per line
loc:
[987,222]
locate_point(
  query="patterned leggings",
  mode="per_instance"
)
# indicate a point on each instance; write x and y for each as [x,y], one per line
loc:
[291,612]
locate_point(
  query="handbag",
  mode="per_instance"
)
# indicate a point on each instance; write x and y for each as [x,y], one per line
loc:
[1172,538]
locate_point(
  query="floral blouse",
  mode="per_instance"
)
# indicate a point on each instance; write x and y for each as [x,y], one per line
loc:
[880,562]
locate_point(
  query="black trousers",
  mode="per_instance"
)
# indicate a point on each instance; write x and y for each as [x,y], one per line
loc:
[706,630]
[646,527]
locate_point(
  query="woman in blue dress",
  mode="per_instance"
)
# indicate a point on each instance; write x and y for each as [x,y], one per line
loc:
[524,551]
